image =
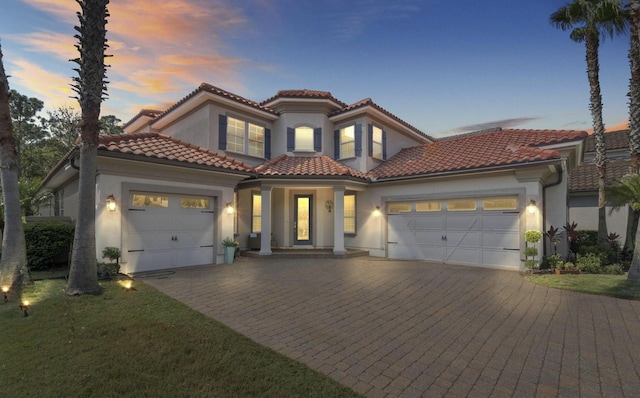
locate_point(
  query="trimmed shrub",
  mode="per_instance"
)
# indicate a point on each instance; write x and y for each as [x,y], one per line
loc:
[605,253]
[589,263]
[613,269]
[48,243]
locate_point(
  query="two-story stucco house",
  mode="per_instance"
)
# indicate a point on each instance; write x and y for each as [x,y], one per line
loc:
[304,170]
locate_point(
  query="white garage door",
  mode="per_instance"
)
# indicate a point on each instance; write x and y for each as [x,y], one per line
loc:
[168,231]
[467,231]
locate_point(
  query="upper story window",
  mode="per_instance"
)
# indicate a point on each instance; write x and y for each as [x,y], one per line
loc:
[348,142]
[304,139]
[377,142]
[240,136]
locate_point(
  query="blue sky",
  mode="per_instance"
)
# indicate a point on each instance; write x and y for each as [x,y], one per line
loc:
[445,69]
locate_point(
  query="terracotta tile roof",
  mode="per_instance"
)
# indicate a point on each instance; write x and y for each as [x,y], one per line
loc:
[368,102]
[500,148]
[310,166]
[218,91]
[613,140]
[158,146]
[304,93]
[584,178]
[144,112]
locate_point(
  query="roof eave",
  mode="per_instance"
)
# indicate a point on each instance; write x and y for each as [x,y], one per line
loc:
[467,171]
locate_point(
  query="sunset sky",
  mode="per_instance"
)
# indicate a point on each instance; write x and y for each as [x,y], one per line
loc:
[445,67]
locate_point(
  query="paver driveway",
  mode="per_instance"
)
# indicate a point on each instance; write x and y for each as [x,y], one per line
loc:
[405,329]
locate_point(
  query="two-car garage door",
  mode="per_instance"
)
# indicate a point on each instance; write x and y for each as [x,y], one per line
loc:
[168,231]
[463,231]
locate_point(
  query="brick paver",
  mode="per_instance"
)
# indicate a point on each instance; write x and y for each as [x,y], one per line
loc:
[407,329]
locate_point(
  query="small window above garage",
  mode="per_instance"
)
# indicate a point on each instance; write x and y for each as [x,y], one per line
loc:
[149,200]
[399,207]
[500,204]
[428,206]
[461,205]
[193,202]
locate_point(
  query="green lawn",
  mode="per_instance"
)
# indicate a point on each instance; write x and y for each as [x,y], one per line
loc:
[606,285]
[138,343]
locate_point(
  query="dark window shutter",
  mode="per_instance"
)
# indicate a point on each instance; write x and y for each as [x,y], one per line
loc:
[222,132]
[336,144]
[358,130]
[317,139]
[384,145]
[370,139]
[267,144]
[291,139]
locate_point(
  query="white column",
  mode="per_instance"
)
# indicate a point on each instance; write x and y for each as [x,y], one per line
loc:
[338,221]
[265,235]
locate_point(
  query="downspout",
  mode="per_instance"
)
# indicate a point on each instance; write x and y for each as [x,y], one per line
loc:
[544,205]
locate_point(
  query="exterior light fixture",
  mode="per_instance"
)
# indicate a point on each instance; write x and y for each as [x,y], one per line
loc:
[111,203]
[376,211]
[531,207]
[5,293]
[24,307]
[128,285]
[229,208]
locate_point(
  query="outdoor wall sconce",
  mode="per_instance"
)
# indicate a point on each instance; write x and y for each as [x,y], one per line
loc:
[531,207]
[329,205]
[376,211]
[24,307]
[111,203]
[5,293]
[229,208]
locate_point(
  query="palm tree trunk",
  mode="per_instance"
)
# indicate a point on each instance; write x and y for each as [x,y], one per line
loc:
[593,69]
[90,86]
[13,265]
[634,270]
[634,125]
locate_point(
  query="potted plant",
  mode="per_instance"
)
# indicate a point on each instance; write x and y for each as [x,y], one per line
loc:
[531,236]
[230,246]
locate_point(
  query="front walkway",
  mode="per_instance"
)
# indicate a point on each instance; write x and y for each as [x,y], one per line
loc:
[410,329]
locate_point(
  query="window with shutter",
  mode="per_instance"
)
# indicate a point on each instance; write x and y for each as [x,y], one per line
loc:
[237,135]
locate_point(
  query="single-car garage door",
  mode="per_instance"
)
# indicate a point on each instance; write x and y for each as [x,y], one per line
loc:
[168,231]
[462,231]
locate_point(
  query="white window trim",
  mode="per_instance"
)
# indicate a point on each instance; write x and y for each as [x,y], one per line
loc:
[245,146]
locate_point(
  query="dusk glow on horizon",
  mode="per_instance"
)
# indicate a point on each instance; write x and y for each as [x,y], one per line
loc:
[444,69]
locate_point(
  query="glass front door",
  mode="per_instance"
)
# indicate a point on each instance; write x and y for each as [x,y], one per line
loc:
[302,220]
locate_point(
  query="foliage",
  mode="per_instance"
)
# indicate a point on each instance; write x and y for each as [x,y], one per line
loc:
[228,242]
[532,236]
[139,344]
[572,237]
[530,251]
[112,253]
[605,285]
[612,269]
[554,237]
[531,264]
[108,270]
[554,261]
[589,263]
[568,265]
[47,243]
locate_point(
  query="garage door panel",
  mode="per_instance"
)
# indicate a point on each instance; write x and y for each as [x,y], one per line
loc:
[469,238]
[463,221]
[428,237]
[500,221]
[506,258]
[463,255]
[429,221]
[500,240]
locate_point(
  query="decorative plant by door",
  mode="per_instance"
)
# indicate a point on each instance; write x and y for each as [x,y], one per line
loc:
[531,237]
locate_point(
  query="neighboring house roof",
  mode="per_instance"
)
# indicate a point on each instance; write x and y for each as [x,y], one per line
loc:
[584,178]
[491,149]
[150,113]
[307,166]
[158,146]
[613,140]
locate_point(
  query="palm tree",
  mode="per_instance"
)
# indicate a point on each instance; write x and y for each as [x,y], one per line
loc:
[627,192]
[13,265]
[90,85]
[588,20]
[634,115]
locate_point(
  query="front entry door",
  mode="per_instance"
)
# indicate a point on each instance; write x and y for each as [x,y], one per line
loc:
[302,220]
